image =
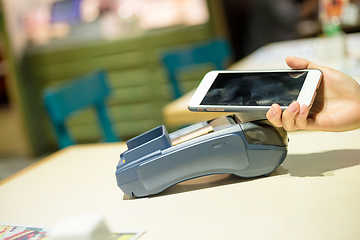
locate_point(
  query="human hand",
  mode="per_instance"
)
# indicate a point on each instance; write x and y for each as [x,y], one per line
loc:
[336,106]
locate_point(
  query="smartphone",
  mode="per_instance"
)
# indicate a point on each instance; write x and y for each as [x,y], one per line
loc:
[241,91]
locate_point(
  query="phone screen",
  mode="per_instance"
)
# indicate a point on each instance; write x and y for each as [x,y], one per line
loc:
[255,89]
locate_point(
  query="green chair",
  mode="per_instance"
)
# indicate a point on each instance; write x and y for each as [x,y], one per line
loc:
[62,102]
[216,52]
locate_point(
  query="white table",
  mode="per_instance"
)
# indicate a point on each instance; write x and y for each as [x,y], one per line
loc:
[314,194]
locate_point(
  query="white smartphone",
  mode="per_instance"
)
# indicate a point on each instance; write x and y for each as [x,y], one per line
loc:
[241,91]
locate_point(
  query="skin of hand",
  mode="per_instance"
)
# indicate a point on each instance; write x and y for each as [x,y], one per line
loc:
[336,107]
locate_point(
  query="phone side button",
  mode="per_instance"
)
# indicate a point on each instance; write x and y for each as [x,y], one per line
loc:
[215,109]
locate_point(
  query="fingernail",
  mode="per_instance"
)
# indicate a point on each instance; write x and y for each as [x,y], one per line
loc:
[272,111]
[293,108]
[302,109]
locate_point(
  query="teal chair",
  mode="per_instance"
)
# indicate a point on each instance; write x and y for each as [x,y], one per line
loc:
[217,52]
[62,102]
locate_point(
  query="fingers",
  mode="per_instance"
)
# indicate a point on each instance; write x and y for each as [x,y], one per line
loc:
[288,118]
[293,118]
[301,120]
[274,115]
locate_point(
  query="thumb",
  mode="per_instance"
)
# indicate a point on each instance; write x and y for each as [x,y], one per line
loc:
[300,63]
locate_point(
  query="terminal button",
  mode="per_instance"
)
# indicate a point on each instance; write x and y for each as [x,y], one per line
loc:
[215,109]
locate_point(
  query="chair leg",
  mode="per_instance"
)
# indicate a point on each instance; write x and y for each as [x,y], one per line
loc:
[109,133]
[64,139]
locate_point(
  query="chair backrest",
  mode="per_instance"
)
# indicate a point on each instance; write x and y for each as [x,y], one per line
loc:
[63,101]
[217,52]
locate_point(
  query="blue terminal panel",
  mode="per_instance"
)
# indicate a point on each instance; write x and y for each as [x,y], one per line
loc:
[156,160]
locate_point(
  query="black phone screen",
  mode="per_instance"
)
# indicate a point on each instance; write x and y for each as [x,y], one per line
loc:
[255,89]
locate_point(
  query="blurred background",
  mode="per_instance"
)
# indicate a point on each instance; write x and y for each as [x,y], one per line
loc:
[46,43]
